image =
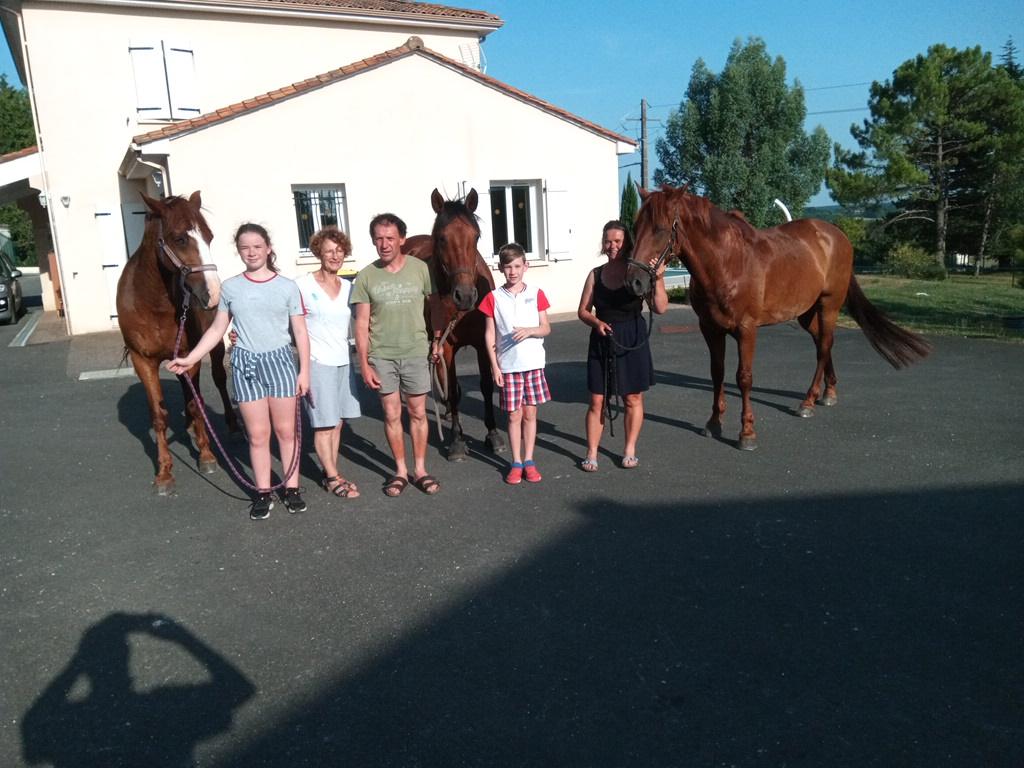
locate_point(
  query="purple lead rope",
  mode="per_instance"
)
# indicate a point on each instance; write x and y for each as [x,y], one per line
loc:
[232,467]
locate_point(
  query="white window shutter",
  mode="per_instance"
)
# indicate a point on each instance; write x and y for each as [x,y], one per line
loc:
[151,101]
[181,80]
[133,216]
[112,252]
[559,221]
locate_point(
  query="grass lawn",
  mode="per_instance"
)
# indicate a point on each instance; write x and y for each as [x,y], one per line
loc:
[962,305]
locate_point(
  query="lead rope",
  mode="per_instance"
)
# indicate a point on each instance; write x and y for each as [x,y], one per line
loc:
[440,388]
[612,396]
[232,467]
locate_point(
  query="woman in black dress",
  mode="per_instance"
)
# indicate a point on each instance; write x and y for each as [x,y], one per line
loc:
[618,359]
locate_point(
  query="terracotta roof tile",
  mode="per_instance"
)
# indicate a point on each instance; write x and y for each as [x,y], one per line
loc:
[18,153]
[413,45]
[399,8]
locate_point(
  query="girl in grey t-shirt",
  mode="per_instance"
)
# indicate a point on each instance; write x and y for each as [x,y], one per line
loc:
[264,305]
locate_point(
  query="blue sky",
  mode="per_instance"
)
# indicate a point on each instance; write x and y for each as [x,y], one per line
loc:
[600,59]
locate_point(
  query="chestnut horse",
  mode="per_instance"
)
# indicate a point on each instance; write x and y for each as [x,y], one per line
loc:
[462,279]
[156,287]
[742,278]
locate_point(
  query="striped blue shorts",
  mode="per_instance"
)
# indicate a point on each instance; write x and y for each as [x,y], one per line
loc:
[257,375]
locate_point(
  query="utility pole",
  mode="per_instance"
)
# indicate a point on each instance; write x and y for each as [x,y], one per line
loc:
[643,144]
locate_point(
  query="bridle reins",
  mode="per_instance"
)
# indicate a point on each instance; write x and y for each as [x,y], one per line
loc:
[666,254]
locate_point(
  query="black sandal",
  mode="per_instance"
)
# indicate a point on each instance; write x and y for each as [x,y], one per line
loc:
[428,484]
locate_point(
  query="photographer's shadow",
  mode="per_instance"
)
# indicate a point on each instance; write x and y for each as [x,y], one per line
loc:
[93,715]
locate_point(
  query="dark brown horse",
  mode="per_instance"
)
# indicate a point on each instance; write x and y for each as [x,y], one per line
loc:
[151,296]
[462,278]
[742,278]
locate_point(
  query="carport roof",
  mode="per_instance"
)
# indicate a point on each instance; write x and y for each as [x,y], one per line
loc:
[413,46]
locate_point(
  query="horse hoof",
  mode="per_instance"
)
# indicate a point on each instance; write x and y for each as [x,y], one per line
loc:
[207,467]
[712,430]
[164,489]
[747,444]
[804,412]
[457,451]
[829,401]
[495,442]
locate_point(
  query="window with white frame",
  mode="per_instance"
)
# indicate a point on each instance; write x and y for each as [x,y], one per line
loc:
[534,213]
[515,206]
[316,207]
[165,80]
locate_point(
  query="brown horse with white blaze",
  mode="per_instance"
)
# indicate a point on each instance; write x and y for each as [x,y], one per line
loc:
[161,280]
[462,279]
[742,278]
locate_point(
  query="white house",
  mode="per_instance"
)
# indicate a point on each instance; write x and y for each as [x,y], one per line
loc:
[292,113]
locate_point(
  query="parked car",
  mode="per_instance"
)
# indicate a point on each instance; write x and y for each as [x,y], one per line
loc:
[11,305]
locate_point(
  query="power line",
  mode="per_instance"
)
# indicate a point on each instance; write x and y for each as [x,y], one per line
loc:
[837,111]
[830,87]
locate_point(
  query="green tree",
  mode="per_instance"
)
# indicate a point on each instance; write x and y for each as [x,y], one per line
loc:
[629,203]
[1009,60]
[938,132]
[16,132]
[738,137]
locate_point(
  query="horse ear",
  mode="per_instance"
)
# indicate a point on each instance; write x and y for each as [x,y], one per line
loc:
[196,200]
[472,200]
[641,191]
[436,201]
[154,205]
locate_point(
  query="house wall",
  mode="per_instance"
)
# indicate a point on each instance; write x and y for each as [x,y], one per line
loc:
[84,92]
[391,135]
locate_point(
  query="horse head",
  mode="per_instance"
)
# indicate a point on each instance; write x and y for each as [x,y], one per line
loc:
[655,237]
[175,227]
[455,236]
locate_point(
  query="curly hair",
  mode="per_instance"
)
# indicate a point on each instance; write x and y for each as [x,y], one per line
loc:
[335,235]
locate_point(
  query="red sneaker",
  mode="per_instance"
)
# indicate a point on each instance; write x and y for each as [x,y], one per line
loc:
[530,470]
[515,474]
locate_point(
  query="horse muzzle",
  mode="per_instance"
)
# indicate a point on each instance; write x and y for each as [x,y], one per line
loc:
[464,297]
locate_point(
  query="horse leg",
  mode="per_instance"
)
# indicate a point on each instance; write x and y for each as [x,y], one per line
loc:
[746,340]
[196,423]
[715,339]
[149,374]
[494,439]
[815,322]
[456,442]
[220,381]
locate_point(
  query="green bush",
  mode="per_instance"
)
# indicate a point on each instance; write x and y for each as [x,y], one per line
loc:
[907,260]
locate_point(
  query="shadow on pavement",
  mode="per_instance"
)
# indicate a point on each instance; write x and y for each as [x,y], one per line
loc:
[93,713]
[839,631]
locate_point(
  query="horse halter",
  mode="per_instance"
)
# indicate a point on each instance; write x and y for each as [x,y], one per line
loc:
[184,270]
[669,250]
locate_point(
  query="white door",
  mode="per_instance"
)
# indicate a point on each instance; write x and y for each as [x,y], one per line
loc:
[112,252]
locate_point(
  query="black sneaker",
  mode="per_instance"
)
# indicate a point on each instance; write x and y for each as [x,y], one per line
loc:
[293,500]
[261,506]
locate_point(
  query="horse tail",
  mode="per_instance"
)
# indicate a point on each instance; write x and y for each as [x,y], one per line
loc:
[898,346]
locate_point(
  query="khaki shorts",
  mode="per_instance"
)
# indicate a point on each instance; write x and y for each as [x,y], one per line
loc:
[410,375]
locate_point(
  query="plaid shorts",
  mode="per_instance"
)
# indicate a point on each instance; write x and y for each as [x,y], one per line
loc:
[524,388]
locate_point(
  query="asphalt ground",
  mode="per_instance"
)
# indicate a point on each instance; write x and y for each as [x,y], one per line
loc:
[850,594]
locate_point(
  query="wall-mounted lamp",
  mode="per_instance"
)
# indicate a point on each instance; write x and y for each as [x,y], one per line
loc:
[158,181]
[42,199]
[65,200]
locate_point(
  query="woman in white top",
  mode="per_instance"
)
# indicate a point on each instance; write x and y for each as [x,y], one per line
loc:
[332,384]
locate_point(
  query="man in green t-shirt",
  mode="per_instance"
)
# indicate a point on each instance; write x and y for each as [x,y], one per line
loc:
[391,341]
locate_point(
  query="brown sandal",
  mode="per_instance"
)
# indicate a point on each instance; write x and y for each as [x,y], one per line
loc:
[394,486]
[340,487]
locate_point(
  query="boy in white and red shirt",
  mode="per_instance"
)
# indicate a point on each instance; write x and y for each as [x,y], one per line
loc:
[517,322]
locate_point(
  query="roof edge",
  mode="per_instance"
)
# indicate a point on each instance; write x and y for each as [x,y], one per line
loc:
[414,45]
